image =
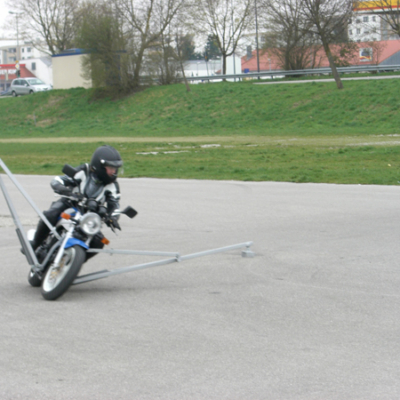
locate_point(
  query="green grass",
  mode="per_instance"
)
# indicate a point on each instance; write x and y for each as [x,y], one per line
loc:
[227,109]
[353,164]
[298,133]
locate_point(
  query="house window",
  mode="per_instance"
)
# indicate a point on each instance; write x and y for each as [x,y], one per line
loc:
[28,49]
[374,19]
[358,21]
[33,66]
[365,19]
[350,31]
[358,31]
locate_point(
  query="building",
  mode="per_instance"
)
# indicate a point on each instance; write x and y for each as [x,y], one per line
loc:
[8,72]
[201,68]
[33,62]
[12,51]
[367,24]
[68,71]
[367,53]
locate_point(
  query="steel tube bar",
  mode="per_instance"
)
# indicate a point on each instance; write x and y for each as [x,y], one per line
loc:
[107,273]
[27,197]
[214,251]
[135,252]
[18,224]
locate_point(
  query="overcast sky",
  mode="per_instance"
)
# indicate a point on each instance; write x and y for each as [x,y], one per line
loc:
[3,15]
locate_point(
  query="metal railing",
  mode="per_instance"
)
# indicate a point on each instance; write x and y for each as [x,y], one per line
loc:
[300,72]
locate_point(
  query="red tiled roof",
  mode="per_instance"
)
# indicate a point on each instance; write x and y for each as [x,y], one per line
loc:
[25,73]
[269,61]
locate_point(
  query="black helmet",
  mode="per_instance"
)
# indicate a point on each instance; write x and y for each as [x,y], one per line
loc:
[105,156]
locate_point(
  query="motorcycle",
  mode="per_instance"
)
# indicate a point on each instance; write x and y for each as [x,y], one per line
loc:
[67,247]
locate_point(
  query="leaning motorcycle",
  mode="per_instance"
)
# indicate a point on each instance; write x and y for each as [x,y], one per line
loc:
[66,249]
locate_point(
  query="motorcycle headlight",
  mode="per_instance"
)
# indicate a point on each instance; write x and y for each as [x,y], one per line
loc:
[90,224]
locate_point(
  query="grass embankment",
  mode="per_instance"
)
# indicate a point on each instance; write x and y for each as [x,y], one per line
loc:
[296,132]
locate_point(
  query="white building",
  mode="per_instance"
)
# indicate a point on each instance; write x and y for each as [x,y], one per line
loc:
[367,24]
[36,61]
[10,51]
[201,68]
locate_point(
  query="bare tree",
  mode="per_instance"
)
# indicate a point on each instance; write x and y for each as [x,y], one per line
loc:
[55,21]
[146,21]
[328,19]
[225,20]
[377,50]
[162,60]
[181,57]
[288,37]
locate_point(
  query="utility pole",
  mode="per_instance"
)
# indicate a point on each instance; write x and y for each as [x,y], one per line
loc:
[258,56]
[18,48]
[233,43]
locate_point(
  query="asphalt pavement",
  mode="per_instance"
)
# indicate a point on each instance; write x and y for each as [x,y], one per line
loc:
[314,315]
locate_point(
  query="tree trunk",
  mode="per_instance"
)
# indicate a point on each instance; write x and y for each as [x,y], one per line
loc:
[184,77]
[224,65]
[138,66]
[335,73]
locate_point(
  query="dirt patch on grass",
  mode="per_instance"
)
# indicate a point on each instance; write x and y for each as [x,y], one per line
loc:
[41,123]
[336,141]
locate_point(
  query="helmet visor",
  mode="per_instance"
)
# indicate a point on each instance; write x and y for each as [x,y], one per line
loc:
[115,164]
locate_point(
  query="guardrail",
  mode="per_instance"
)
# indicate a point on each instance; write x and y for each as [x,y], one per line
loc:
[299,72]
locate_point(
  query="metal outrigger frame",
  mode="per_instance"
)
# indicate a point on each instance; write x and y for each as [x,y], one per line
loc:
[35,266]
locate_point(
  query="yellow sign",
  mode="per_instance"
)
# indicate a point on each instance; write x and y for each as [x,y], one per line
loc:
[376,4]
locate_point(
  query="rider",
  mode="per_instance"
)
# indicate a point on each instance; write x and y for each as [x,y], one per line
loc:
[96,182]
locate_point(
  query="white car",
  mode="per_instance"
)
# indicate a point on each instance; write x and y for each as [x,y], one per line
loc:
[22,86]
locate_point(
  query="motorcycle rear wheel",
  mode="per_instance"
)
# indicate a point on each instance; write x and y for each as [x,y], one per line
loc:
[58,279]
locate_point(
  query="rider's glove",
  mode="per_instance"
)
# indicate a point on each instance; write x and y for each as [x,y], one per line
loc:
[77,196]
[67,191]
[63,190]
[112,222]
[102,212]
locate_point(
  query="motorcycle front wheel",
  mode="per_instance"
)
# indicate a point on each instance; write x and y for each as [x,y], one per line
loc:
[34,279]
[58,279]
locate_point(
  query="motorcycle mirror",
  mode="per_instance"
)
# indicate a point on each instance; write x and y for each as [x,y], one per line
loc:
[69,171]
[130,212]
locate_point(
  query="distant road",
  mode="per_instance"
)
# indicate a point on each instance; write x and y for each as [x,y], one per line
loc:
[272,82]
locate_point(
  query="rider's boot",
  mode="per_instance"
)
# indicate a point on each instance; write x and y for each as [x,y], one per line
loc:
[42,230]
[41,233]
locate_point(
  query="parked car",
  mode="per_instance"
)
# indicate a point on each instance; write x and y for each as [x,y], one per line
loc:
[22,86]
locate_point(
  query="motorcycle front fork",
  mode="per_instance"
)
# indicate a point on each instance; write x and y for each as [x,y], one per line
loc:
[61,250]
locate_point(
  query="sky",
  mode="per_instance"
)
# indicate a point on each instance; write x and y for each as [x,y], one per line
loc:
[3,15]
